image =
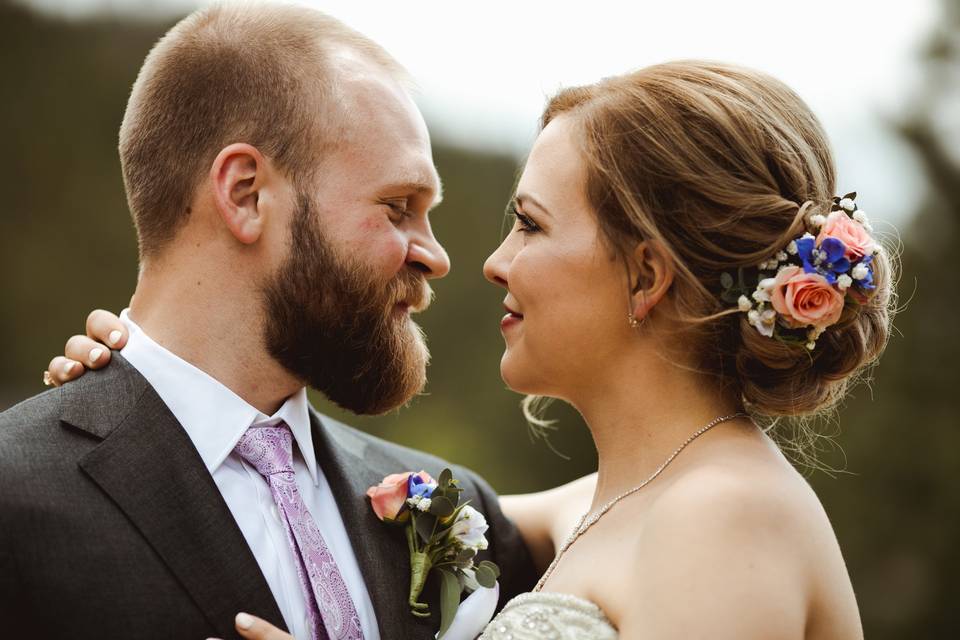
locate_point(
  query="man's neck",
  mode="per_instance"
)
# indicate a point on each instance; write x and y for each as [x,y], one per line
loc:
[216,328]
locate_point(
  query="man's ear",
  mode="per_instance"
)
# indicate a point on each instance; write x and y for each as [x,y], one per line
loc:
[237,176]
[654,271]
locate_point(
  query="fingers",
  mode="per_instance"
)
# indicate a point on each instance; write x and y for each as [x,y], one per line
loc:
[254,628]
[106,328]
[91,354]
[62,370]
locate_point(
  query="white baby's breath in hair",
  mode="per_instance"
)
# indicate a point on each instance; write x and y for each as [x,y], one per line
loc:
[781,306]
[860,272]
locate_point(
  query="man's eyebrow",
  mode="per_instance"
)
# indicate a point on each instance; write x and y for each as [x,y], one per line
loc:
[418,186]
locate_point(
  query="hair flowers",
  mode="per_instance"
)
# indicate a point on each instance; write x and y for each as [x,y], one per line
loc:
[803,289]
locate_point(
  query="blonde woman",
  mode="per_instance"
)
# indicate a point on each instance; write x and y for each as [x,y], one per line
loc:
[674,273]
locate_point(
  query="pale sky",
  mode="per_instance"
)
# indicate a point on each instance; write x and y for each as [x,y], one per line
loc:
[486,69]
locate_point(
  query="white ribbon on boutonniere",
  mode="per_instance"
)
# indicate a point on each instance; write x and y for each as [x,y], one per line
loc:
[443,535]
[474,614]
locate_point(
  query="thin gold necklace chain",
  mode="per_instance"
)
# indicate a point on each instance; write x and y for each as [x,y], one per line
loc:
[587,520]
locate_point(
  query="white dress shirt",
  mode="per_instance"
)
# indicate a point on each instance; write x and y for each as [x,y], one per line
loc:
[215,418]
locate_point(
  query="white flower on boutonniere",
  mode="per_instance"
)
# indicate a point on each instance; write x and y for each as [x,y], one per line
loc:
[469,528]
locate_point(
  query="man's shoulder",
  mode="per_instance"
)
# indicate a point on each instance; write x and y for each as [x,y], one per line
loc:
[365,442]
[32,432]
[23,419]
[408,458]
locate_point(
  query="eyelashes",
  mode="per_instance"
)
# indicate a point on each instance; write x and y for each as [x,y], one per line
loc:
[526,224]
[399,210]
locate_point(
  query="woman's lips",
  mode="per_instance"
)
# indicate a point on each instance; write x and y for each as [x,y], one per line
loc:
[510,320]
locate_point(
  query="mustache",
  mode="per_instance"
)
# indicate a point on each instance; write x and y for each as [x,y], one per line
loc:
[409,287]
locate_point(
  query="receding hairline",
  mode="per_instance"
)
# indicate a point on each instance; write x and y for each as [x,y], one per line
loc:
[177,119]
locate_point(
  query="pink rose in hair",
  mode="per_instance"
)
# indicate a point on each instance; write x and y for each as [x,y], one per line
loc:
[804,299]
[854,235]
[388,497]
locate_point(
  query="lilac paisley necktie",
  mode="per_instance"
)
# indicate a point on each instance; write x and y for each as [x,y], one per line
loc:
[329,606]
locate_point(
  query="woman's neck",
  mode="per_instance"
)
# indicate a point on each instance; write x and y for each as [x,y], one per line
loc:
[642,416]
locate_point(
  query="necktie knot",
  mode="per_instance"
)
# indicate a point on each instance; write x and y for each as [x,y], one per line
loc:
[268,449]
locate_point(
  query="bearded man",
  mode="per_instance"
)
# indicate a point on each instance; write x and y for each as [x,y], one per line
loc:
[280,178]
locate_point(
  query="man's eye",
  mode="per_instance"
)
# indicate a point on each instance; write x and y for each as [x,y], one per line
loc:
[399,210]
[526,224]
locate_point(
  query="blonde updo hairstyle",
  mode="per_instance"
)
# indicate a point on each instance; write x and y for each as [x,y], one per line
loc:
[721,165]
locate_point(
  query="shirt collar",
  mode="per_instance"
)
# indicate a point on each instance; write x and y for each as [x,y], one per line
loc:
[213,416]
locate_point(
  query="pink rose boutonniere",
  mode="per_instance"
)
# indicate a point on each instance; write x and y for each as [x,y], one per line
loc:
[443,535]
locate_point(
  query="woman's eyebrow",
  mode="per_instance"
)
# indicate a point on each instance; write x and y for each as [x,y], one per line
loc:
[521,198]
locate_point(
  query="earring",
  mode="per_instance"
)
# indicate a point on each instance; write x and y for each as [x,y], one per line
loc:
[634,323]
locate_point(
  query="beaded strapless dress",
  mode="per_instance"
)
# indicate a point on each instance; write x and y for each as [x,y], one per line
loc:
[549,616]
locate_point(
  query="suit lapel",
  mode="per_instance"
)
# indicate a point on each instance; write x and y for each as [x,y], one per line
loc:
[351,467]
[149,467]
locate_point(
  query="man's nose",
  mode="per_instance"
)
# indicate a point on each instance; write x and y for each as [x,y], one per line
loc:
[428,256]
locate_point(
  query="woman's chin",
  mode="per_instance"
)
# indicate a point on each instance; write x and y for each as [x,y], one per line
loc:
[517,374]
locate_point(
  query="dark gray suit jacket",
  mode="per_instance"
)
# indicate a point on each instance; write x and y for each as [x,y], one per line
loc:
[111,526]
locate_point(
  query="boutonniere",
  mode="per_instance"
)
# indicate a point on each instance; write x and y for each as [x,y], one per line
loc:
[443,535]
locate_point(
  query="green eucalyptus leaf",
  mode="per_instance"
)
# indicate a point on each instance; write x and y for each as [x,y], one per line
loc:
[449,599]
[445,477]
[466,554]
[453,495]
[425,524]
[485,576]
[852,195]
[491,566]
[441,507]
[726,280]
[741,280]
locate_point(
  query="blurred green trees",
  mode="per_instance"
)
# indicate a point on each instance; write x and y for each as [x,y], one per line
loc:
[67,245]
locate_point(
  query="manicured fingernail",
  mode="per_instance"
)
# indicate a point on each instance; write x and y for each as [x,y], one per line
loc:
[68,367]
[95,354]
[114,336]
[244,621]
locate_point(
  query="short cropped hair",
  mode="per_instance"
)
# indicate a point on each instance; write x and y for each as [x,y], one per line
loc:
[261,73]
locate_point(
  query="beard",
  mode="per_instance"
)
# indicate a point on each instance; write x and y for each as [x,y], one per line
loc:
[334,324]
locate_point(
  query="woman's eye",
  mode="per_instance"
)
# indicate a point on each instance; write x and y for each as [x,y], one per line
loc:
[526,224]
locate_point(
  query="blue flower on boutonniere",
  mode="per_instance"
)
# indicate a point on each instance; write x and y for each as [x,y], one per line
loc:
[828,259]
[443,534]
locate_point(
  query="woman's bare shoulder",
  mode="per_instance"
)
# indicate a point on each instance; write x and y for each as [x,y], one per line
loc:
[723,535]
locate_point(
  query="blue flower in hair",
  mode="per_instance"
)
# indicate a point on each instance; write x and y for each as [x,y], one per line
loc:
[828,259]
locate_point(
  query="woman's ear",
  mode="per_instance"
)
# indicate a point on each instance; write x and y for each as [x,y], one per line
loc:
[651,277]
[236,177]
